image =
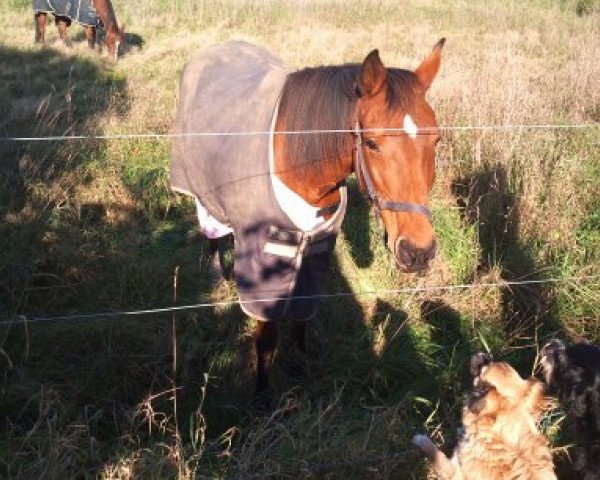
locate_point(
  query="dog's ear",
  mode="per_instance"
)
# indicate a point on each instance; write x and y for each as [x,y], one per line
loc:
[478,361]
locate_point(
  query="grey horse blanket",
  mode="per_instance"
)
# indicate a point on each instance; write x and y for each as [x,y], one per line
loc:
[235,87]
[80,11]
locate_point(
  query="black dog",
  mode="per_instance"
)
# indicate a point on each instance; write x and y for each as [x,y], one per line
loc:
[574,373]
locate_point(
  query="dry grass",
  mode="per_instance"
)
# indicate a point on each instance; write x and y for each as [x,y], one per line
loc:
[91,226]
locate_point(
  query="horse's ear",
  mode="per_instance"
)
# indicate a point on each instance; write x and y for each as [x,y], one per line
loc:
[373,75]
[429,67]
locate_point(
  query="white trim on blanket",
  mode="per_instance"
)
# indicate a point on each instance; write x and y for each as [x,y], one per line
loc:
[300,212]
[209,226]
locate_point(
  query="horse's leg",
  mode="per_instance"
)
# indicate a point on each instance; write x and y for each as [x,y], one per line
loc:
[216,258]
[62,23]
[215,270]
[90,34]
[40,27]
[298,361]
[265,342]
[228,244]
[214,247]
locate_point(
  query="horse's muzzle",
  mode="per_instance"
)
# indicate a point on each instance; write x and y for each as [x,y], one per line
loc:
[410,258]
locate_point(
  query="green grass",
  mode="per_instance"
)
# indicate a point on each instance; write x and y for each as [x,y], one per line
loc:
[92,227]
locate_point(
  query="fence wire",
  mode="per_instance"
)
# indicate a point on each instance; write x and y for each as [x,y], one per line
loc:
[24,319]
[421,131]
[91,316]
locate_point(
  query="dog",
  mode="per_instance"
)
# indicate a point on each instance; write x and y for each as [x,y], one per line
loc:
[500,438]
[573,372]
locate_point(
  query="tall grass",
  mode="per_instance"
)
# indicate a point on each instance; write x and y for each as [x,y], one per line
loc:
[91,226]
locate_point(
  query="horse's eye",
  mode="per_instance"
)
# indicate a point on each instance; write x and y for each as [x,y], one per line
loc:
[371,144]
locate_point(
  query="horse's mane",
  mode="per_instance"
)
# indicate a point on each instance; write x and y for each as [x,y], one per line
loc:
[324,98]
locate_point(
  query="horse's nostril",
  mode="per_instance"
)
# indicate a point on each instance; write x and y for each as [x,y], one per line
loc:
[404,252]
[414,258]
[403,244]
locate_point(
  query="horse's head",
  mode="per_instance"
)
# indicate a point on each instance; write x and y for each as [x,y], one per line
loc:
[397,168]
[115,36]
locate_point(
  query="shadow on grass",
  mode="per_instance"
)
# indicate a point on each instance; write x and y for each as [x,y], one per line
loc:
[358,373]
[357,228]
[528,311]
[453,357]
[69,390]
[44,93]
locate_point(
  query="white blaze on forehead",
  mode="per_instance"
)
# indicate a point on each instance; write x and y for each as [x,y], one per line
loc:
[410,127]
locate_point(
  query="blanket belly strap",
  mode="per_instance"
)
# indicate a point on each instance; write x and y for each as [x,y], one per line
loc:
[289,243]
[281,249]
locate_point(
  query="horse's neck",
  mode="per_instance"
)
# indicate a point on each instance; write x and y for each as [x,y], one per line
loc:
[318,186]
[106,12]
[320,98]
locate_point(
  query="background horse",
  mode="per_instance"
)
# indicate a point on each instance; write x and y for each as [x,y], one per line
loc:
[85,12]
[284,196]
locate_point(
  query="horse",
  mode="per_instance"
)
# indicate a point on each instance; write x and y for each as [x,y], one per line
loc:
[277,183]
[86,12]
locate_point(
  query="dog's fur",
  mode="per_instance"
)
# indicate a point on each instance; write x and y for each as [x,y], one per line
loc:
[500,439]
[574,373]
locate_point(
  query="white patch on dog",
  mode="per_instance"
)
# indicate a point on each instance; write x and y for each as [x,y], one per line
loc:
[546,365]
[410,127]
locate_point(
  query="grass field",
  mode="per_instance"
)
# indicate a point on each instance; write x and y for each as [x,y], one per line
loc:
[90,226]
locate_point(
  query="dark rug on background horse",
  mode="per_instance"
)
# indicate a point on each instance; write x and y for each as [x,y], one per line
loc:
[80,11]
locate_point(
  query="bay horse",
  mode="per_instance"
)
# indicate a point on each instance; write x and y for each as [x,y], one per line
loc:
[85,12]
[326,123]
